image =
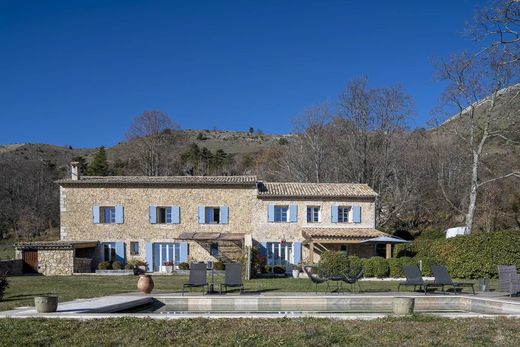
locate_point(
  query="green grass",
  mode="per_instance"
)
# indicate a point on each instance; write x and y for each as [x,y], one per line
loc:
[22,289]
[412,331]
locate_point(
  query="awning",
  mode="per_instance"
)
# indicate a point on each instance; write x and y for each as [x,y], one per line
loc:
[336,234]
[386,239]
[206,236]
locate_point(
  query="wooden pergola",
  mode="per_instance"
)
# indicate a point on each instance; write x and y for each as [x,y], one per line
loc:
[318,238]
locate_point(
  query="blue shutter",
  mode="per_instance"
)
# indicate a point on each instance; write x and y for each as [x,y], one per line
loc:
[152,213]
[156,251]
[149,256]
[297,252]
[184,252]
[224,214]
[119,214]
[95,214]
[262,248]
[293,213]
[334,214]
[270,213]
[120,252]
[176,215]
[202,215]
[356,214]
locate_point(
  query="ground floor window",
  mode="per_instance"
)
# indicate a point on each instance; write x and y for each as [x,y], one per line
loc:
[166,253]
[134,248]
[344,249]
[279,253]
[109,251]
[214,249]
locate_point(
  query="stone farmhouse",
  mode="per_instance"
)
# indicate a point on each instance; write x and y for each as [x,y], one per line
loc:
[203,218]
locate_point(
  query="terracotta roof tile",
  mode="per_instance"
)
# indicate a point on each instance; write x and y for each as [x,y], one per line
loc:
[268,189]
[159,180]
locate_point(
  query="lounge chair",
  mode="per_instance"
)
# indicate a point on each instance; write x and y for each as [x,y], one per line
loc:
[354,279]
[198,277]
[508,279]
[314,277]
[233,277]
[443,278]
[413,278]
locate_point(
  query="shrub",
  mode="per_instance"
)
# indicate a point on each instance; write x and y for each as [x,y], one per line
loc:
[168,263]
[333,263]
[354,264]
[266,269]
[218,265]
[3,284]
[376,267]
[184,266]
[129,267]
[396,265]
[116,265]
[105,265]
[279,269]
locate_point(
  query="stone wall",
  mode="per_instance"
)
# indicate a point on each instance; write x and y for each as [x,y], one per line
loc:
[12,267]
[56,262]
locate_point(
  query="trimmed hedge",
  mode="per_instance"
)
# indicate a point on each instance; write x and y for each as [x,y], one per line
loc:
[396,265]
[471,256]
[376,267]
[333,263]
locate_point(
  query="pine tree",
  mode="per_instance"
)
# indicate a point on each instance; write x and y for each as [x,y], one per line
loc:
[99,166]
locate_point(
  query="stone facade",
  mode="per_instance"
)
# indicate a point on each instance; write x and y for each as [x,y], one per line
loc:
[247,214]
[56,262]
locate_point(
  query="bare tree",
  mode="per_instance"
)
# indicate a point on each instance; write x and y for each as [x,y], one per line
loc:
[478,89]
[152,133]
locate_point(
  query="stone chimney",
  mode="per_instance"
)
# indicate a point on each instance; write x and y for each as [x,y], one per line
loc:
[74,170]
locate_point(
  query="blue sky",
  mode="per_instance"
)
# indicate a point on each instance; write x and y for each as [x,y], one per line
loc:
[77,72]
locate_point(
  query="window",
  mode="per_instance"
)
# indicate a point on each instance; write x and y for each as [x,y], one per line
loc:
[213,215]
[164,215]
[313,214]
[281,214]
[108,214]
[344,249]
[109,250]
[134,248]
[214,249]
[279,253]
[343,214]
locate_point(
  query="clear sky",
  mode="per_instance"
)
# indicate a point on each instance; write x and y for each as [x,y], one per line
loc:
[77,72]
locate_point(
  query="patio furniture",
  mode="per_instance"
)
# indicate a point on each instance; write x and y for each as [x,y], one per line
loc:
[197,277]
[413,278]
[508,279]
[233,277]
[314,277]
[443,278]
[354,279]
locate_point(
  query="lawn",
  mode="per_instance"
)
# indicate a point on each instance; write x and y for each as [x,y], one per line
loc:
[411,331]
[22,289]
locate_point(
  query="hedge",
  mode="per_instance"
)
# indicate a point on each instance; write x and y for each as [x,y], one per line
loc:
[471,256]
[376,267]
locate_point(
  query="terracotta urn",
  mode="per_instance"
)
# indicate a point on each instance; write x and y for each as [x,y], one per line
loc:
[145,284]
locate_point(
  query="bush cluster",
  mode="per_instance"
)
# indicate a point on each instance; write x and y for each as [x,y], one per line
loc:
[184,266]
[3,284]
[376,267]
[116,265]
[105,265]
[218,265]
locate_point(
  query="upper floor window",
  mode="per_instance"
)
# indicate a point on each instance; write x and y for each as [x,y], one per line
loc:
[107,214]
[164,214]
[281,214]
[343,213]
[212,215]
[313,214]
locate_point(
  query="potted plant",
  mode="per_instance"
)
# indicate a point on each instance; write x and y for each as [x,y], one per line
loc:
[168,266]
[296,269]
[137,265]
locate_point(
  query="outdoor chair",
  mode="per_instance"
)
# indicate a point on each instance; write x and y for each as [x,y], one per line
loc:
[233,277]
[413,278]
[508,279]
[354,279]
[314,277]
[443,278]
[198,277]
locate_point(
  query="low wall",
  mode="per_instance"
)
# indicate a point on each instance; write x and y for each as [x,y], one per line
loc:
[12,267]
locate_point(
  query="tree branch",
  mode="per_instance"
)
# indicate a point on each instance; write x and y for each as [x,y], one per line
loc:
[512,174]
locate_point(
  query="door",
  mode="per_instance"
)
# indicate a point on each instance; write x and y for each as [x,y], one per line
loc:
[280,253]
[166,252]
[30,261]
